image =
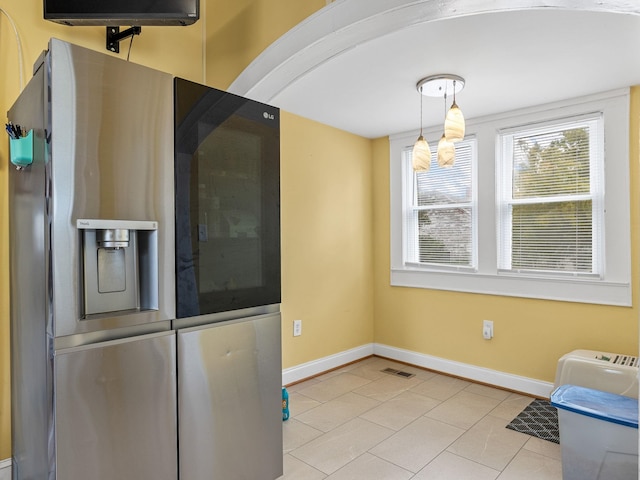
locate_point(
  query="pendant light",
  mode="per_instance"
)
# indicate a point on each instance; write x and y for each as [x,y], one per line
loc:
[446,149]
[438,86]
[421,154]
[446,152]
[454,122]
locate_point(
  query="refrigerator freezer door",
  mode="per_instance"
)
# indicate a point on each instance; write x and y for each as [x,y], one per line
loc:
[229,400]
[115,410]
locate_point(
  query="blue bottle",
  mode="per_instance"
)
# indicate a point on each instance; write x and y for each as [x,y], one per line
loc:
[285,404]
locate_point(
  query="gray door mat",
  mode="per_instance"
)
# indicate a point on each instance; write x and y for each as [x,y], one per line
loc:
[539,419]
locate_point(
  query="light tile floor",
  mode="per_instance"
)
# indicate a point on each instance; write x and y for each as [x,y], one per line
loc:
[358,423]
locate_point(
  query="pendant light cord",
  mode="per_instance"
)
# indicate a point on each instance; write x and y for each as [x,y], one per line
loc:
[421,95]
[445,102]
[454,92]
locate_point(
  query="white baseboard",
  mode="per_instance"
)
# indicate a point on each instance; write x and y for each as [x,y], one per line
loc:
[509,381]
[5,469]
[316,367]
[531,386]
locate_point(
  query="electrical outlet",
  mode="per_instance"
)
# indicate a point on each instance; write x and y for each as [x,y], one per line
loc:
[297,328]
[487,329]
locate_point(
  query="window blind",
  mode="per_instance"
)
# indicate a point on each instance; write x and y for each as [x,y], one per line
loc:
[441,224]
[551,196]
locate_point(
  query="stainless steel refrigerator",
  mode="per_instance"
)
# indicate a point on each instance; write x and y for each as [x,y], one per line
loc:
[95,346]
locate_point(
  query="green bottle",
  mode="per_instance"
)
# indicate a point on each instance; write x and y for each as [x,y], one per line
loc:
[285,404]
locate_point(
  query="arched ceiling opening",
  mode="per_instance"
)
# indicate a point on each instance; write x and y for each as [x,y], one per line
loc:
[354,64]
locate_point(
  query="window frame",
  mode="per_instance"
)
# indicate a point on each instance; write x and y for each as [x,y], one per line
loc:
[409,206]
[614,288]
[504,199]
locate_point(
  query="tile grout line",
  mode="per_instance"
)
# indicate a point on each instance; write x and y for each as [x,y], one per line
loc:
[393,431]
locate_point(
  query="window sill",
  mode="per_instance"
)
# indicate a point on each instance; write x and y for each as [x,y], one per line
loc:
[560,289]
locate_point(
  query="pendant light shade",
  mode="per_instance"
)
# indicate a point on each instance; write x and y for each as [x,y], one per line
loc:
[421,155]
[454,124]
[446,152]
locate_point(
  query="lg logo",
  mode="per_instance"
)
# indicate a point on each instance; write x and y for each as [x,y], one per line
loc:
[268,116]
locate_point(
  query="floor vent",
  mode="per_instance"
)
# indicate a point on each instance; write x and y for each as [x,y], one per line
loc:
[398,373]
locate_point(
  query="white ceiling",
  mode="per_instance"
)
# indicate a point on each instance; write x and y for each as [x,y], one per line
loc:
[360,75]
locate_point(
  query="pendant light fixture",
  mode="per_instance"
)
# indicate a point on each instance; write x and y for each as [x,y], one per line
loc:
[454,122]
[446,149]
[454,127]
[421,154]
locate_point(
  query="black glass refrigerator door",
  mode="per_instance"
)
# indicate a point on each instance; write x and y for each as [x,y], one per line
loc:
[227,167]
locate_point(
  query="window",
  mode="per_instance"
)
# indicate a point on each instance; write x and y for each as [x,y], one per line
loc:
[551,198]
[518,230]
[441,219]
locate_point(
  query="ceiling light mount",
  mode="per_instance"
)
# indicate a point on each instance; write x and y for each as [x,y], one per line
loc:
[441,84]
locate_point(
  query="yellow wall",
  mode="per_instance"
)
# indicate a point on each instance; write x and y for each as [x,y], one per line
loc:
[530,335]
[239,30]
[327,275]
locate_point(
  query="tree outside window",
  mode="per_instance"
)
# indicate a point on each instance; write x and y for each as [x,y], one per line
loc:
[549,214]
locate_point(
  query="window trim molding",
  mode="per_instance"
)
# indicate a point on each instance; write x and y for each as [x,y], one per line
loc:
[504,179]
[613,289]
